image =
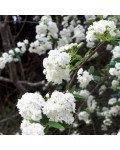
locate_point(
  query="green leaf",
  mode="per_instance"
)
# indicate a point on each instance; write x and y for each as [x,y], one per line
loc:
[117,59]
[88,52]
[112,64]
[114,43]
[79,97]
[91,70]
[117,103]
[67,87]
[44,121]
[55,125]
[77,63]
[100,16]
[72,89]
[96,78]
[46,129]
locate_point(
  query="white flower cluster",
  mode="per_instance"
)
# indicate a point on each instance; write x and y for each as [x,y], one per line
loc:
[108,113]
[30,106]
[83,115]
[47,27]
[116,52]
[102,89]
[21,47]
[91,103]
[90,17]
[115,84]
[114,110]
[12,54]
[109,47]
[69,46]
[60,107]
[72,29]
[57,66]
[84,78]
[100,27]
[46,30]
[41,45]
[115,71]
[28,128]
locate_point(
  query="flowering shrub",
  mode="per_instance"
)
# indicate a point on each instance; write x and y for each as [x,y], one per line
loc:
[80,91]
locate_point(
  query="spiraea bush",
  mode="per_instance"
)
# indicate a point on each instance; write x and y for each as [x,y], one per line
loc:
[74,85]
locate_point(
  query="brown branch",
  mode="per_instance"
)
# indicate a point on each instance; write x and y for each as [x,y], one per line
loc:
[36,84]
[93,52]
[6,80]
[32,22]
[9,118]
[7,17]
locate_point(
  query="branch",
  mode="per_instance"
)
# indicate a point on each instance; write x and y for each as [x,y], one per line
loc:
[36,84]
[9,118]
[6,21]
[93,52]
[6,80]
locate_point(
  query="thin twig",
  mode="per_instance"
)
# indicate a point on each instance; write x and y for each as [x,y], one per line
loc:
[32,22]
[9,118]
[6,80]
[36,84]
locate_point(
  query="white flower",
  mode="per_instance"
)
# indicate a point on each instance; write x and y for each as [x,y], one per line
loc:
[26,41]
[84,78]
[60,107]
[85,93]
[79,33]
[113,71]
[109,47]
[112,101]
[80,71]
[53,29]
[7,57]
[28,128]
[91,103]
[40,46]
[117,66]
[2,63]
[11,52]
[90,17]
[17,50]
[41,29]
[102,89]
[30,106]
[100,27]
[114,111]
[116,52]
[103,127]
[56,66]
[19,44]
[106,112]
[107,122]
[115,83]
[84,116]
